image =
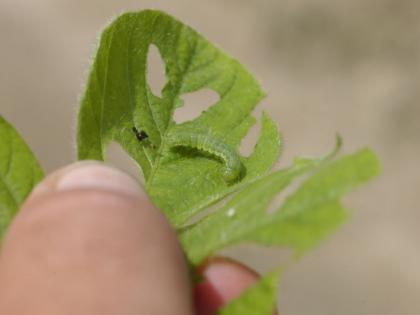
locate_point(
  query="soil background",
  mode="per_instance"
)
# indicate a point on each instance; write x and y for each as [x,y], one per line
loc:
[327,66]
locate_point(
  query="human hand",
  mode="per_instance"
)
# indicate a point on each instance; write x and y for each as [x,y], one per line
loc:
[88,241]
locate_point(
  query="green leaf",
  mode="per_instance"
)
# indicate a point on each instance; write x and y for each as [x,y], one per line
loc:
[19,173]
[314,210]
[185,165]
[260,299]
[307,215]
[241,215]
[118,98]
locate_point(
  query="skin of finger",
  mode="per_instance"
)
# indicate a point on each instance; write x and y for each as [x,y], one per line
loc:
[224,280]
[92,252]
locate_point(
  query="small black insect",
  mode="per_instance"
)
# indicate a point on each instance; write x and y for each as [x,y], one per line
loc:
[141,135]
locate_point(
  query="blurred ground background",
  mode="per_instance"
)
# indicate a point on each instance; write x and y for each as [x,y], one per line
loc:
[347,66]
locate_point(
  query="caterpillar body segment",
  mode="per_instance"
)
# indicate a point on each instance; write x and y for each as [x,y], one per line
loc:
[233,167]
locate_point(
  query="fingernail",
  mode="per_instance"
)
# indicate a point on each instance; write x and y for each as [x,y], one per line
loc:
[94,175]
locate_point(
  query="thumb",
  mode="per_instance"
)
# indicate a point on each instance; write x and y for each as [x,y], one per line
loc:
[88,241]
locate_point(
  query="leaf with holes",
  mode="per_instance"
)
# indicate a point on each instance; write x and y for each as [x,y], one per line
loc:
[181,179]
[192,165]
[305,218]
[19,172]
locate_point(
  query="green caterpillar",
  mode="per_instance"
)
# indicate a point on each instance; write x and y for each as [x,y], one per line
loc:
[233,168]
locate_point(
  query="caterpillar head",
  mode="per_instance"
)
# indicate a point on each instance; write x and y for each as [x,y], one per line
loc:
[231,175]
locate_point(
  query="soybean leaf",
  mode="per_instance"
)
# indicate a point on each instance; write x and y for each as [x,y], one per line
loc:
[19,173]
[314,209]
[118,98]
[260,299]
[306,217]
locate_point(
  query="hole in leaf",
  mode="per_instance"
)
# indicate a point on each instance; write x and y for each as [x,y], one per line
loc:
[155,70]
[281,197]
[194,104]
[249,141]
[117,157]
